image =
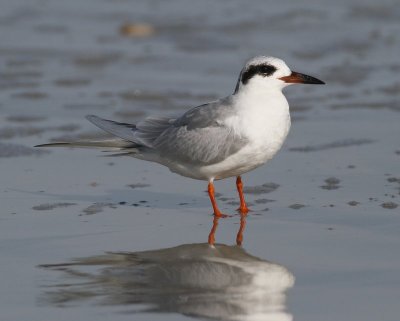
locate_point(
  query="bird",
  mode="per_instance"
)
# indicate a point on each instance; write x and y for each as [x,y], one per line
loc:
[220,139]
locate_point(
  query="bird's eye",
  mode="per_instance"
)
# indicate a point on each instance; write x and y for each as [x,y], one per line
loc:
[263,70]
[267,70]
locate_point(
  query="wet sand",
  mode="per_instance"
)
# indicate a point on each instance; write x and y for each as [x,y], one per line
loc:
[83,236]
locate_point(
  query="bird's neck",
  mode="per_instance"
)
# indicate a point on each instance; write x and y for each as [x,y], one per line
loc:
[255,97]
[262,114]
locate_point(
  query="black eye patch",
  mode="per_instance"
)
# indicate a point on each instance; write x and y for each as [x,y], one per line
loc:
[263,70]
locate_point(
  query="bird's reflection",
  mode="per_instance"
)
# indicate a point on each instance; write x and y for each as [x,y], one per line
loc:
[214,281]
[239,236]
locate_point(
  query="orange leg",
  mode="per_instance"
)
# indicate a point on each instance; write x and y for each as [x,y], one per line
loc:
[239,236]
[211,236]
[217,212]
[243,209]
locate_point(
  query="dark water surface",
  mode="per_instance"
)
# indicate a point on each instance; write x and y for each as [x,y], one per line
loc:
[85,237]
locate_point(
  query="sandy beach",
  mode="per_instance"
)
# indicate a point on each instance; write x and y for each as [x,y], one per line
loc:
[84,236]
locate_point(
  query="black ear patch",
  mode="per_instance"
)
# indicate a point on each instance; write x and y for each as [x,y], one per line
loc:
[263,70]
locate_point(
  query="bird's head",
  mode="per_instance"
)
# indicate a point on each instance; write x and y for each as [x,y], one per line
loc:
[269,72]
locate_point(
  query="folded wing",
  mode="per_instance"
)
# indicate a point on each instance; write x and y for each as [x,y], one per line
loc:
[200,136]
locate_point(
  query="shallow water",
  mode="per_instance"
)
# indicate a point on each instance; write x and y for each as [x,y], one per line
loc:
[85,237]
[216,282]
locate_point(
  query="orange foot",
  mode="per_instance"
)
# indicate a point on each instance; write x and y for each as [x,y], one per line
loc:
[211,194]
[220,215]
[243,209]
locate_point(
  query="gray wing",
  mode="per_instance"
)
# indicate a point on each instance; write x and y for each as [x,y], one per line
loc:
[149,129]
[144,133]
[207,115]
[200,136]
[121,130]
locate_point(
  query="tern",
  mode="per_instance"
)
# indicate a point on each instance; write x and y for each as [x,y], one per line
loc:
[220,139]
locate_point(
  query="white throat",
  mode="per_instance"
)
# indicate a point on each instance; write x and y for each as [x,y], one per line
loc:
[263,114]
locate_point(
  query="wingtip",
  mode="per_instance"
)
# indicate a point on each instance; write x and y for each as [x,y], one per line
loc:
[52,144]
[90,117]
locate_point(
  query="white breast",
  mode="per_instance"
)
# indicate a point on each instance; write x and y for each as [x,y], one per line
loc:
[264,120]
